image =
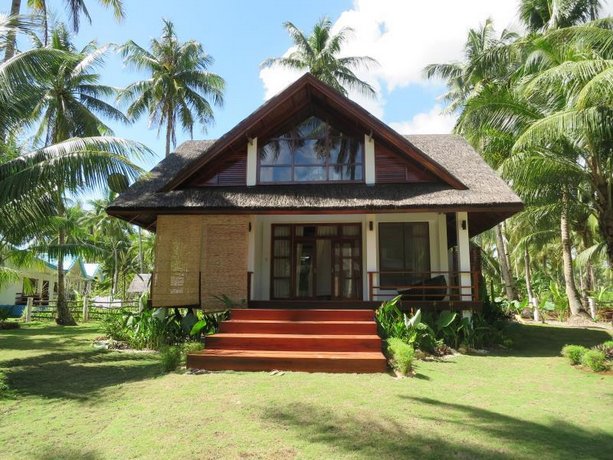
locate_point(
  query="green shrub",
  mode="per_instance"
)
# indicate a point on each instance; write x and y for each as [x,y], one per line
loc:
[606,348]
[401,355]
[114,327]
[574,353]
[595,360]
[170,357]
[4,385]
[9,325]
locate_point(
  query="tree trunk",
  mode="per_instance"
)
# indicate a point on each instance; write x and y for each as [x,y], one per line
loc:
[569,280]
[507,277]
[115,274]
[140,251]
[64,317]
[11,37]
[532,300]
[169,128]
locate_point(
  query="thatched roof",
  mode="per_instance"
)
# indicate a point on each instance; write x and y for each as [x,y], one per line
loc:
[463,180]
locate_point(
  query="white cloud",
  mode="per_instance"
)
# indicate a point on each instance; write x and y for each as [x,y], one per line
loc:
[404,37]
[432,122]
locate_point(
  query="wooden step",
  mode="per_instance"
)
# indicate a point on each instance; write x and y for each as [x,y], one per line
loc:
[265,360]
[301,314]
[298,327]
[294,342]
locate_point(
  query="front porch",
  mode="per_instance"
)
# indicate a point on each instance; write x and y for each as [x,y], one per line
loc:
[342,261]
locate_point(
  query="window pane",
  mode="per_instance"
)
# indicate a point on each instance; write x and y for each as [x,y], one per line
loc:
[404,248]
[351,230]
[277,151]
[309,174]
[327,230]
[280,289]
[275,174]
[281,268]
[281,230]
[318,152]
[281,248]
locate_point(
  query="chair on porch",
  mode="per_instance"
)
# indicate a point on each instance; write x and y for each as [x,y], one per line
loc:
[430,290]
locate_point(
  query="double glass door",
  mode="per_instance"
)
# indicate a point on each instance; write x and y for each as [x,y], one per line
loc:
[322,261]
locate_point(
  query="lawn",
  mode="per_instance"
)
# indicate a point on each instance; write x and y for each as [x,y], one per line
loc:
[68,400]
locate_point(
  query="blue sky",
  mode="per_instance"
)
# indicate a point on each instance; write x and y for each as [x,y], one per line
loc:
[404,36]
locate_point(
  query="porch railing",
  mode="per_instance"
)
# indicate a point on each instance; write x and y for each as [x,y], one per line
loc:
[432,286]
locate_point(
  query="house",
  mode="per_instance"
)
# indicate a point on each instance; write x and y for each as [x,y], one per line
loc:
[41,282]
[311,200]
[310,212]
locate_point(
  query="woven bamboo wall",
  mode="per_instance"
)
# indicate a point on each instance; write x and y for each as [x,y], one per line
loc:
[224,258]
[190,250]
[177,261]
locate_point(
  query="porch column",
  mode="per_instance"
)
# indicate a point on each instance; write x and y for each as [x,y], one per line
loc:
[251,256]
[369,159]
[371,254]
[252,161]
[463,255]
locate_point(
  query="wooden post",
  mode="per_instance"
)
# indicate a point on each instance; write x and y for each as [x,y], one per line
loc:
[85,309]
[29,302]
[592,303]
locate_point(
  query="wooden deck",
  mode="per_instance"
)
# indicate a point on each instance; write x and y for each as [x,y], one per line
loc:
[454,305]
[307,340]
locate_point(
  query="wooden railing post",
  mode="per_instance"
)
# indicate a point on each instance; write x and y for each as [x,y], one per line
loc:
[85,309]
[29,302]
[370,286]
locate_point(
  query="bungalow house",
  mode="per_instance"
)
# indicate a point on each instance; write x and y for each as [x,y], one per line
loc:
[41,283]
[312,202]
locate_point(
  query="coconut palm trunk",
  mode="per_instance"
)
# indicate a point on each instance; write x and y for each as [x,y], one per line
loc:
[9,52]
[531,297]
[63,316]
[569,279]
[507,277]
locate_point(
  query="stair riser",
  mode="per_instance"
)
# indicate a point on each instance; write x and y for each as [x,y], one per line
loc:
[297,328]
[281,343]
[303,315]
[299,365]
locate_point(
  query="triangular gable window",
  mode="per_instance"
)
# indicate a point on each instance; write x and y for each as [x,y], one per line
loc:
[311,151]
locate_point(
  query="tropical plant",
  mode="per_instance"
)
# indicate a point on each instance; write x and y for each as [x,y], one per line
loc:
[320,54]
[401,355]
[75,9]
[574,353]
[595,360]
[180,90]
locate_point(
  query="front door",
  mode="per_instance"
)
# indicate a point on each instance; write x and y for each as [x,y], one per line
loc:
[316,262]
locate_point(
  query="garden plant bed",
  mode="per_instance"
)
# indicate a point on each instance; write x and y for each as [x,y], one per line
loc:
[72,401]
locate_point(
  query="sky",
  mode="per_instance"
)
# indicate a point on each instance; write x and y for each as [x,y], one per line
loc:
[402,35]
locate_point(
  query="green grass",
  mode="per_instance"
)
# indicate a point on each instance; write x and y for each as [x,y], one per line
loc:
[67,400]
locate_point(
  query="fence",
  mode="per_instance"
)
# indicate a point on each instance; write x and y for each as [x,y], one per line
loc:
[82,311]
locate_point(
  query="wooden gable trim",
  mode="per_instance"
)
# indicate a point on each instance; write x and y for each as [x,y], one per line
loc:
[392,168]
[295,98]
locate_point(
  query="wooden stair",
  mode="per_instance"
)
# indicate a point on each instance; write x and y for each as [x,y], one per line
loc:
[309,340]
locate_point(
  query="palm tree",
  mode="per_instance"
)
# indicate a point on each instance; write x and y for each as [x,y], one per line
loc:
[319,54]
[542,15]
[179,88]
[114,235]
[75,9]
[34,186]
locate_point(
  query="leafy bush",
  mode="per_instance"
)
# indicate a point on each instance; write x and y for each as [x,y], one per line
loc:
[401,355]
[170,357]
[9,325]
[574,353]
[114,327]
[390,320]
[606,348]
[4,385]
[595,360]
